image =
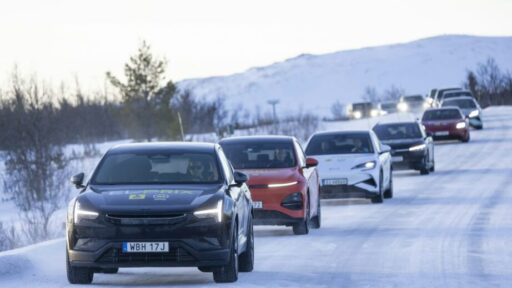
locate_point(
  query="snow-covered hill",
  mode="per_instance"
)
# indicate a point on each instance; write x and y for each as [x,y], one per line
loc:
[317,81]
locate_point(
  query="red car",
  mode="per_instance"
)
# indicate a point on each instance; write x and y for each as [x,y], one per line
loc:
[283,182]
[446,123]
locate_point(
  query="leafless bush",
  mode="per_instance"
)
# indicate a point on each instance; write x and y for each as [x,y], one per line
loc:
[489,84]
[8,238]
[35,163]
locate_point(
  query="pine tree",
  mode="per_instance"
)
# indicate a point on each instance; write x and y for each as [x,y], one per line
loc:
[146,102]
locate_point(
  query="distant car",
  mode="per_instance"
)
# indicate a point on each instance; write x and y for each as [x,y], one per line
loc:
[446,123]
[283,182]
[439,95]
[161,204]
[455,94]
[413,104]
[352,164]
[364,110]
[411,147]
[469,108]
[389,107]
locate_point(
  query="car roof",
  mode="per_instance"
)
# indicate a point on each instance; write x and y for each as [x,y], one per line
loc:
[258,138]
[164,147]
[443,108]
[338,132]
[397,122]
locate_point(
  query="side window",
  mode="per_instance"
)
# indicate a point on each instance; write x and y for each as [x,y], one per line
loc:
[300,154]
[226,166]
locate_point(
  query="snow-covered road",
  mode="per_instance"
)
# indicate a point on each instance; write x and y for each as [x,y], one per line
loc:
[452,228]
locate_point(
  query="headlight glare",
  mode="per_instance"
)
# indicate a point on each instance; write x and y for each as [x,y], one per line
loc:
[418,147]
[366,165]
[80,213]
[461,125]
[278,185]
[214,212]
[474,113]
[402,106]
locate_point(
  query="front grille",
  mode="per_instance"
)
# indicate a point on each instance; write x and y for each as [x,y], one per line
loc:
[341,191]
[116,256]
[157,219]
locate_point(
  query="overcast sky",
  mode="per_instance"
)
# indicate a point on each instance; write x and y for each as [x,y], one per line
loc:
[60,39]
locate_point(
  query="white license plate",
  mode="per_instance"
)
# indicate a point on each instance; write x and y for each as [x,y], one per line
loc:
[397,158]
[142,247]
[442,133]
[341,181]
[257,204]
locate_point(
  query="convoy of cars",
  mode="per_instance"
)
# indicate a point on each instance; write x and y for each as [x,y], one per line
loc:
[179,204]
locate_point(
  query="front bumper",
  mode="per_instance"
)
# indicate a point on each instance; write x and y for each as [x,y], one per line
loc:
[358,185]
[192,242]
[404,159]
[181,254]
[273,211]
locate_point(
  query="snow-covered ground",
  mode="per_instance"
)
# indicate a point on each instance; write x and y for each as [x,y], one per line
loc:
[315,82]
[452,228]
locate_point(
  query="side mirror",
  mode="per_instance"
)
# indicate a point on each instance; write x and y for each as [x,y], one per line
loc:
[385,149]
[240,178]
[78,180]
[311,162]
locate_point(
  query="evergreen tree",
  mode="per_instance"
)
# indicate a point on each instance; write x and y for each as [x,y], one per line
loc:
[146,102]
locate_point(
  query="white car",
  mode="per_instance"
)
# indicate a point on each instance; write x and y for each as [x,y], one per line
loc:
[352,164]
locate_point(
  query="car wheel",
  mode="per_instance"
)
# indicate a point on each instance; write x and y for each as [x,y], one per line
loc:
[433,167]
[229,272]
[389,192]
[316,222]
[466,140]
[379,198]
[110,270]
[302,228]
[78,275]
[424,171]
[246,259]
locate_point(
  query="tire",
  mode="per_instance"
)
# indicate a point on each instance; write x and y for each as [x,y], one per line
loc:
[379,198]
[316,221]
[110,270]
[433,168]
[78,275]
[229,272]
[465,140]
[302,228]
[424,171]
[246,259]
[389,192]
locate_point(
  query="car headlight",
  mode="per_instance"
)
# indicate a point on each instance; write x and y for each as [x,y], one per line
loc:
[474,113]
[214,212]
[460,125]
[430,101]
[374,113]
[358,115]
[278,185]
[366,165]
[426,105]
[402,106]
[80,213]
[418,147]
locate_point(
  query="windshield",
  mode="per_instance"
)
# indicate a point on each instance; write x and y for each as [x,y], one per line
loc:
[461,103]
[326,144]
[361,106]
[260,155]
[398,131]
[415,98]
[161,168]
[442,114]
[457,94]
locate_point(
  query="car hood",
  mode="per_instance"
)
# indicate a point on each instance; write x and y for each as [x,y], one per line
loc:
[335,163]
[403,143]
[148,198]
[267,176]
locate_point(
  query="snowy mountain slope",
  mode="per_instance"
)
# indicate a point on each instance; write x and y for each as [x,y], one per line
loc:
[317,81]
[447,229]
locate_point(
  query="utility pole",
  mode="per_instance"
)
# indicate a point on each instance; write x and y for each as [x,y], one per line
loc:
[274,102]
